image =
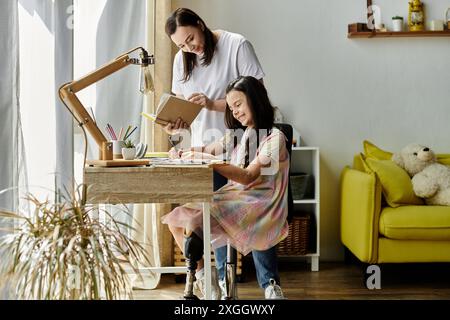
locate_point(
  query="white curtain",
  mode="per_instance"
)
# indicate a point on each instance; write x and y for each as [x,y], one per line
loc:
[11,157]
[60,41]
[46,61]
[104,30]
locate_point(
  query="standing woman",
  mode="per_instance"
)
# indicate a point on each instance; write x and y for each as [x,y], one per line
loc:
[203,67]
[206,63]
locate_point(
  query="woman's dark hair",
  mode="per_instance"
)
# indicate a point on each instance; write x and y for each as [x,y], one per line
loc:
[183,17]
[258,101]
[260,107]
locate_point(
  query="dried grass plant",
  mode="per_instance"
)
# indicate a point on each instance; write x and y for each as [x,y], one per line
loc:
[62,251]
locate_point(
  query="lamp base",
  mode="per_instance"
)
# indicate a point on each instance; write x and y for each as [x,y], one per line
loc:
[118,163]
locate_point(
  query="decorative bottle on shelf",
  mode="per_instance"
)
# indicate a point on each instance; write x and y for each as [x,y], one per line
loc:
[416,16]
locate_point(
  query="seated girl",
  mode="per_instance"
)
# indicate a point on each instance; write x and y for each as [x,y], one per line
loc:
[251,210]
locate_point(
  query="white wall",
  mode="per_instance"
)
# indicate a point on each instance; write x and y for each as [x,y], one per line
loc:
[337,91]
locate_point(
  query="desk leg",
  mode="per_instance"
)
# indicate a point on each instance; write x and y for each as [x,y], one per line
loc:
[207,249]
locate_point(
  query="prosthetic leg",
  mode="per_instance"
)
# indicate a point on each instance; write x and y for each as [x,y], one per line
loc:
[193,251]
[230,275]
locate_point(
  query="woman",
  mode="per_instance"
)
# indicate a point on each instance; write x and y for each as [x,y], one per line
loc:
[206,63]
[251,210]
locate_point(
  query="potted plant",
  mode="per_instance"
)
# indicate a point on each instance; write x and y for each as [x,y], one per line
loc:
[397,23]
[129,150]
[62,251]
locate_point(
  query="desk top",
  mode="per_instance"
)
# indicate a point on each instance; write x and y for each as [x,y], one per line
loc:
[147,168]
[152,184]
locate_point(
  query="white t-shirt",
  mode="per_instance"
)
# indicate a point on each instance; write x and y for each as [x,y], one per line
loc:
[234,57]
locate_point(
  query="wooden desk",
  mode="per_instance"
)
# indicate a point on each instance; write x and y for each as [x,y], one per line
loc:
[156,184]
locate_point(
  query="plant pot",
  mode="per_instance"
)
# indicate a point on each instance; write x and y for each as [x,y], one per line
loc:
[397,25]
[129,153]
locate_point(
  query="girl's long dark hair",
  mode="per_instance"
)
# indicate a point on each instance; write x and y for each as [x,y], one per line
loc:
[183,17]
[258,101]
[260,107]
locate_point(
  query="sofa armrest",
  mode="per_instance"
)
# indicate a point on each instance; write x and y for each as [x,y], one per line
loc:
[360,212]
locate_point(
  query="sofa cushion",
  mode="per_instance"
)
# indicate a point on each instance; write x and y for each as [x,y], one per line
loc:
[395,182]
[374,152]
[416,223]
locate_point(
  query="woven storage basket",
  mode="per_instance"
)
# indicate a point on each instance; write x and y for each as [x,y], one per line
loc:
[298,239]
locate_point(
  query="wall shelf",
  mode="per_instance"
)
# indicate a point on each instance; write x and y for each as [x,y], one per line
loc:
[391,34]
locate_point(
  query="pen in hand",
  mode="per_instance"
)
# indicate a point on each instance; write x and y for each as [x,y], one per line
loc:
[178,152]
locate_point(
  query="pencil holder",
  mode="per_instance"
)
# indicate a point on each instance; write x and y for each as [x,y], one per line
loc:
[107,151]
[117,149]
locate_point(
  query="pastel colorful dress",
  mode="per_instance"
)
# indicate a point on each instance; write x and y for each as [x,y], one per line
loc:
[253,216]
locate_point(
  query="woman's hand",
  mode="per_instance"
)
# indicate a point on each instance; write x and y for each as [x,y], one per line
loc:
[201,99]
[173,128]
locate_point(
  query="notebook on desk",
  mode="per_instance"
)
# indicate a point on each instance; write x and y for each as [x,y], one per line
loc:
[171,108]
[186,162]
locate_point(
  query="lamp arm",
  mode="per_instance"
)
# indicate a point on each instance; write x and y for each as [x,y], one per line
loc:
[68,95]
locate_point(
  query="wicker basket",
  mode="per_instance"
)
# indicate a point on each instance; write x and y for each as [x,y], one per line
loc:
[298,239]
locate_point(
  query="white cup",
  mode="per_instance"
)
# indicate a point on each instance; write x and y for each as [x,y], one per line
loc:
[397,25]
[117,149]
[436,25]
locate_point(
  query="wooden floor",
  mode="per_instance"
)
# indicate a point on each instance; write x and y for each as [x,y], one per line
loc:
[334,281]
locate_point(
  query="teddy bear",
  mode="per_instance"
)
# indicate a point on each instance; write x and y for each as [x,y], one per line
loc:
[430,179]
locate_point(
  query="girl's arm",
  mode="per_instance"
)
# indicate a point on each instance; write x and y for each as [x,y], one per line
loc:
[214,149]
[243,176]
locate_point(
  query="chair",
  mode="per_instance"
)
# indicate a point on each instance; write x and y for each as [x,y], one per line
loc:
[377,232]
[230,271]
[288,132]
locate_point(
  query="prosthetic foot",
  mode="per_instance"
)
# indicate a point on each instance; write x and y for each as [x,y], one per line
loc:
[193,251]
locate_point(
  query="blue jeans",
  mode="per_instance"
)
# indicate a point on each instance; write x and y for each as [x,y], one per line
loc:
[265,264]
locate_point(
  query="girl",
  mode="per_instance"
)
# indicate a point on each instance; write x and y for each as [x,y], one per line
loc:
[250,210]
[208,60]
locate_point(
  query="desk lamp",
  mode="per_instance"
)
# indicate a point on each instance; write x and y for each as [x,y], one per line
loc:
[67,94]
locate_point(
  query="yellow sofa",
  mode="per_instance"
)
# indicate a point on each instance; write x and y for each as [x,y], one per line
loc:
[377,232]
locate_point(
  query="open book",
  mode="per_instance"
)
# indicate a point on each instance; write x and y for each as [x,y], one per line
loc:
[171,108]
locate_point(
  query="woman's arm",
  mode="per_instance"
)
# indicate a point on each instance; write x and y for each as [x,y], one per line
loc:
[218,105]
[213,105]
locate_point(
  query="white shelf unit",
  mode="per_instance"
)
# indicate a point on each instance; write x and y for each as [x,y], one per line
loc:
[307,160]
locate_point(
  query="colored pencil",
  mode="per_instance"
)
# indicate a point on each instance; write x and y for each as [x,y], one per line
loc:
[127,136]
